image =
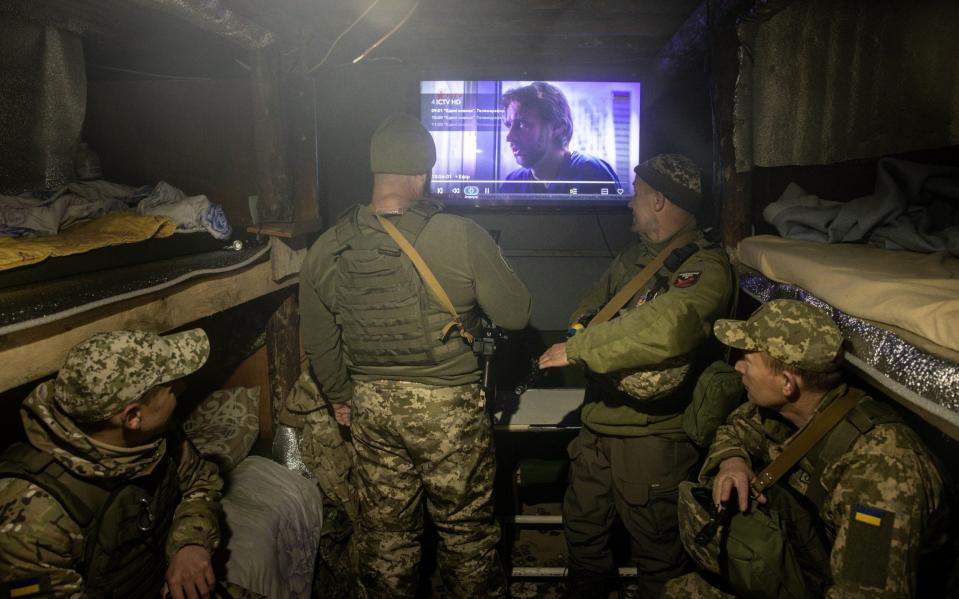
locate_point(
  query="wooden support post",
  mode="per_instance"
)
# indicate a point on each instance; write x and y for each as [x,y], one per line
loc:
[283,352]
[736,214]
[269,137]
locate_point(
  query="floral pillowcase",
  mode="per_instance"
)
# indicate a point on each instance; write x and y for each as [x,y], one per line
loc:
[225,424]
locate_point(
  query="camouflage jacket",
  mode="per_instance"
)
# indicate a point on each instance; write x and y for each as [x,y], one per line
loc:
[467,263]
[882,496]
[647,350]
[37,538]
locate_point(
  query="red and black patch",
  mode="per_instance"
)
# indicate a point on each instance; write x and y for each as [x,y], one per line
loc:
[687,279]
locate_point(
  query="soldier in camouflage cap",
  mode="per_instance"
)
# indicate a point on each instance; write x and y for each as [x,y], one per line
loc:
[790,331]
[870,484]
[103,374]
[102,463]
[641,365]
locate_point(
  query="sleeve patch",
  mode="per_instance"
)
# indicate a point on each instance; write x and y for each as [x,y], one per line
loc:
[27,587]
[868,515]
[868,543]
[687,279]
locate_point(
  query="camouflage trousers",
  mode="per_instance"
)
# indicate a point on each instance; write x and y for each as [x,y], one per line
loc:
[693,586]
[419,443]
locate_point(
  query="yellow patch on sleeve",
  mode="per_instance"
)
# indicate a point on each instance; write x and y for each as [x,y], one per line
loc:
[26,587]
[867,515]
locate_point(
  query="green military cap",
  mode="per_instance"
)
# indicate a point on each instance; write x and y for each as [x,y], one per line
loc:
[676,177]
[108,371]
[790,331]
[402,146]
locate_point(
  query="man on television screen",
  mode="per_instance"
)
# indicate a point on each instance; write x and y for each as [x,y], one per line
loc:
[540,125]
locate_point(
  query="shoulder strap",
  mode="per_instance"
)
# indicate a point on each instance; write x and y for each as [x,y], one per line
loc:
[865,416]
[429,279]
[79,498]
[629,290]
[806,440]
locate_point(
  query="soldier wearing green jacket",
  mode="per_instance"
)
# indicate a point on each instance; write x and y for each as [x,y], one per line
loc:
[106,499]
[397,368]
[631,453]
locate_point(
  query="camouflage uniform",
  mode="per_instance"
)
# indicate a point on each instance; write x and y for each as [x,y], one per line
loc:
[419,428]
[641,364]
[100,377]
[882,495]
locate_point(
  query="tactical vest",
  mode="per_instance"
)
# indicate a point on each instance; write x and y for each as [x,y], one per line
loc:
[387,315]
[125,525]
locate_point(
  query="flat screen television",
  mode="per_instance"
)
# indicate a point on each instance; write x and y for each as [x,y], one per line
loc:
[526,143]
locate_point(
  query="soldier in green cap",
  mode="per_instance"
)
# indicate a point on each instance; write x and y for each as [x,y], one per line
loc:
[865,499]
[395,362]
[107,499]
[632,453]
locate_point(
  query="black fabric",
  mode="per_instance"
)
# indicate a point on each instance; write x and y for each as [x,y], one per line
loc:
[869,568]
[100,280]
[606,480]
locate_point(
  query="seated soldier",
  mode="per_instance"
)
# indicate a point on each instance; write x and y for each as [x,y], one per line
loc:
[107,499]
[864,499]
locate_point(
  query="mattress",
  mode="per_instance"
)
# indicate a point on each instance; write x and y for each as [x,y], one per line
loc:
[33,304]
[918,293]
[899,312]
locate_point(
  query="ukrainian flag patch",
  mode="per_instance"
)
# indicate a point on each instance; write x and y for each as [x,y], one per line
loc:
[870,532]
[868,515]
[25,587]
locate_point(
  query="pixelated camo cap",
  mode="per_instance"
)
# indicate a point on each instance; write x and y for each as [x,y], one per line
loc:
[676,177]
[108,371]
[791,331]
[402,146]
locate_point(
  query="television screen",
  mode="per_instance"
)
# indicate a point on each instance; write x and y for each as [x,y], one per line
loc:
[532,143]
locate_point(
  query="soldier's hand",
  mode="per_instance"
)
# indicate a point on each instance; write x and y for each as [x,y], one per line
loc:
[343,413]
[190,574]
[734,473]
[554,357]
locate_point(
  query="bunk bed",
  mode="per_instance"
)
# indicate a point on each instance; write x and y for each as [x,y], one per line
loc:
[158,285]
[899,312]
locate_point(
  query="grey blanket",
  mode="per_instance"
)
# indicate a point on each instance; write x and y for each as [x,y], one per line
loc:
[914,207]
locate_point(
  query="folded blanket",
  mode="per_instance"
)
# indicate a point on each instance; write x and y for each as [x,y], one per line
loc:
[915,207]
[114,228]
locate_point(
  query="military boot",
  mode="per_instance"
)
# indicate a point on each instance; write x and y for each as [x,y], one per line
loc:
[583,584]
